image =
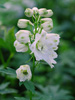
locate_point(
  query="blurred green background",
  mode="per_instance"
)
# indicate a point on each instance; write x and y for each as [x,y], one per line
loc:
[51,84]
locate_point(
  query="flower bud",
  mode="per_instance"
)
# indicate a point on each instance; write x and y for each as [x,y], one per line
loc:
[24,73]
[23,23]
[23,36]
[35,10]
[20,47]
[29,12]
[46,20]
[49,13]
[47,24]
[42,12]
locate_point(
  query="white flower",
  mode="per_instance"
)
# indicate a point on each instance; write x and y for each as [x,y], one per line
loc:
[49,13]
[23,23]
[20,47]
[42,12]
[35,10]
[23,36]
[29,12]
[43,49]
[24,73]
[47,24]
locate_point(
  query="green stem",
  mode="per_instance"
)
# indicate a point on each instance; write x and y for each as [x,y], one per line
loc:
[28,60]
[30,95]
[33,67]
[2,58]
[32,74]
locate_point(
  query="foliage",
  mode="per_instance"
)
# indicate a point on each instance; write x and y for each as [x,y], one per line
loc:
[29,86]
[5,90]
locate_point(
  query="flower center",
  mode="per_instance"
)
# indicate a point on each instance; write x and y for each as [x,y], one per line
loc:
[39,46]
[24,72]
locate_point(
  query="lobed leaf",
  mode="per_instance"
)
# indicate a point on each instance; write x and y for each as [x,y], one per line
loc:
[4,85]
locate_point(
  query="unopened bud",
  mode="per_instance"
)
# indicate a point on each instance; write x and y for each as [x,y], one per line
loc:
[49,13]
[42,12]
[47,24]
[29,12]
[35,10]
[23,36]
[23,23]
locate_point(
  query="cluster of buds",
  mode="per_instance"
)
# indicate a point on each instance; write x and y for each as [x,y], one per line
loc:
[43,12]
[39,41]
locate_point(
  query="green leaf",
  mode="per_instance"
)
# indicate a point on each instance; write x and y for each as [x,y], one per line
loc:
[8,91]
[29,86]
[9,71]
[20,98]
[2,43]
[3,86]
[1,6]
[9,39]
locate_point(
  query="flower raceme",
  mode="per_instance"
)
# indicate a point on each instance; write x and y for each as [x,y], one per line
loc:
[39,41]
[24,73]
[44,44]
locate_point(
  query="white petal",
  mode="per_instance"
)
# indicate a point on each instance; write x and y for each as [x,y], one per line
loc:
[20,47]
[23,36]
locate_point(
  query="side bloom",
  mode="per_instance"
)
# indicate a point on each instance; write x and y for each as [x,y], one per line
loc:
[20,47]
[24,73]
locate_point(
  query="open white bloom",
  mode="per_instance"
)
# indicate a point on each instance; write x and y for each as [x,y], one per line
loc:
[42,12]
[47,24]
[23,23]
[49,13]
[29,12]
[24,73]
[35,10]
[43,47]
[23,36]
[20,47]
